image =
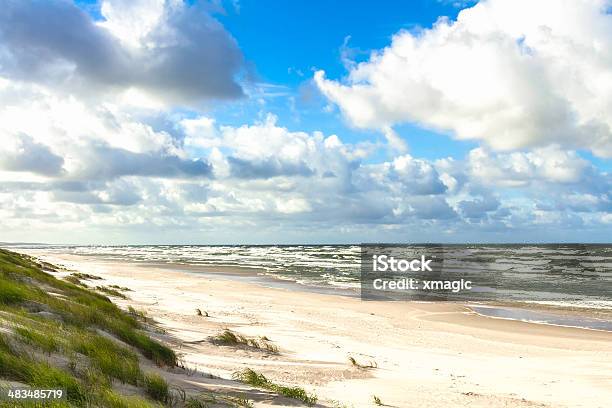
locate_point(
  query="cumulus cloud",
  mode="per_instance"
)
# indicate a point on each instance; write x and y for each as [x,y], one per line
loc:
[265,149]
[22,153]
[124,197]
[416,176]
[433,208]
[478,207]
[170,50]
[550,164]
[267,168]
[73,141]
[582,203]
[513,74]
[103,162]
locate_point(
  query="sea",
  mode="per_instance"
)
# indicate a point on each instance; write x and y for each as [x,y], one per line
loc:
[570,276]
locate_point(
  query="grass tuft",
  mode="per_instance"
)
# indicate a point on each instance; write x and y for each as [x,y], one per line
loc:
[138,314]
[19,367]
[122,288]
[47,343]
[355,363]
[255,379]
[156,388]
[150,348]
[110,291]
[229,338]
[192,402]
[85,276]
[75,280]
[111,399]
[110,358]
[239,401]
[13,292]
[42,375]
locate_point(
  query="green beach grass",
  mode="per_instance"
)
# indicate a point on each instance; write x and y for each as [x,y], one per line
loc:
[230,338]
[57,334]
[60,333]
[255,379]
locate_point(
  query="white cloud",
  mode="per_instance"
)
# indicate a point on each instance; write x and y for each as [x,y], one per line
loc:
[293,205]
[151,51]
[394,140]
[200,132]
[21,153]
[133,21]
[264,150]
[550,164]
[53,135]
[406,175]
[511,73]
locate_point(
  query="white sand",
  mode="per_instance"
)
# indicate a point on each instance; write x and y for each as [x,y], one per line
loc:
[427,355]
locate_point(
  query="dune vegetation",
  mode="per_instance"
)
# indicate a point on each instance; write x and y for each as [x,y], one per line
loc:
[230,338]
[59,334]
[251,377]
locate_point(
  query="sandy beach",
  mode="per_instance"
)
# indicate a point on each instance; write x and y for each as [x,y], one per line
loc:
[424,354]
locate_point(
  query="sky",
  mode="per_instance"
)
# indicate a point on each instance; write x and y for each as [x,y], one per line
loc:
[262,122]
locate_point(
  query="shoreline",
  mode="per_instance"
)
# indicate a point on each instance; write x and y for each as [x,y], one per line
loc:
[428,354]
[582,317]
[556,316]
